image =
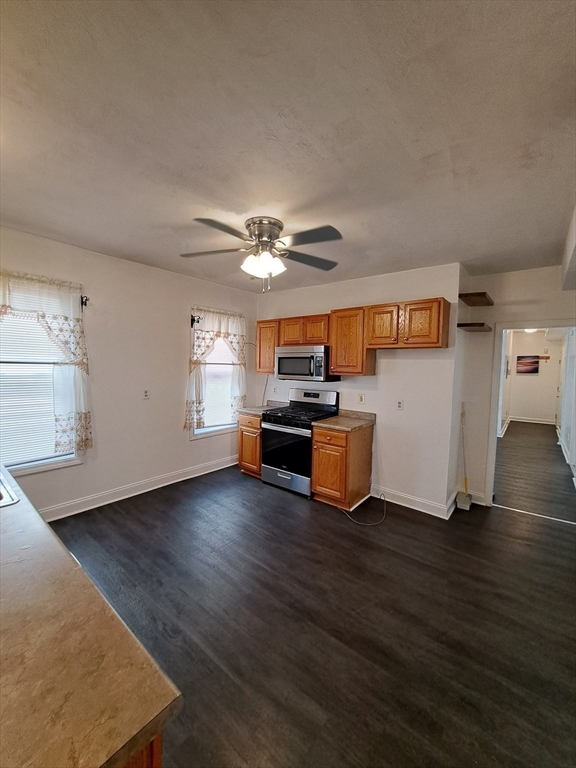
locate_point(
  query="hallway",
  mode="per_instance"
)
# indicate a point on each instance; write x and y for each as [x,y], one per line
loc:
[532,474]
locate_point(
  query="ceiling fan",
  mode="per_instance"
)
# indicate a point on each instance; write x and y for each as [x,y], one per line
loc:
[266,251]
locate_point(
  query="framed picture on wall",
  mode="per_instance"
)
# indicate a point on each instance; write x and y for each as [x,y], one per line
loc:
[527,364]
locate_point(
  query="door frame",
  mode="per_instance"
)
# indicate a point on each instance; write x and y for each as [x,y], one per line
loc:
[499,329]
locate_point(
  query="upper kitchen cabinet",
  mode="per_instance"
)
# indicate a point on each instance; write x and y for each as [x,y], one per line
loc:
[422,323]
[382,325]
[316,329]
[291,331]
[425,323]
[266,343]
[348,354]
[310,330]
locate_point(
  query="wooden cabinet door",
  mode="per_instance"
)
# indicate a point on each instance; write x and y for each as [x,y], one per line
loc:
[266,343]
[420,323]
[291,331]
[316,329]
[382,325]
[347,341]
[329,463]
[249,453]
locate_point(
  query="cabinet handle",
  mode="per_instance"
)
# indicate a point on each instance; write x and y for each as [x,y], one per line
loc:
[405,338]
[315,447]
[328,438]
[394,338]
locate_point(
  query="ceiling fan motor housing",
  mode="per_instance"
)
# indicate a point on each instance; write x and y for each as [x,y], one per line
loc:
[264,229]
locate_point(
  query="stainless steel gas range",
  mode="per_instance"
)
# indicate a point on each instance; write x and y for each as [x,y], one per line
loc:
[287,438]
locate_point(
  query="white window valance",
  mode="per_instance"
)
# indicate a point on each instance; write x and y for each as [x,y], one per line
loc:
[55,307]
[215,324]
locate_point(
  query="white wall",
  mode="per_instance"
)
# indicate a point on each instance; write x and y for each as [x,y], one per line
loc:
[567,437]
[569,257]
[529,299]
[138,334]
[412,447]
[534,397]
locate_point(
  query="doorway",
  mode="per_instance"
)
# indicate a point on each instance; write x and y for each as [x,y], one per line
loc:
[535,451]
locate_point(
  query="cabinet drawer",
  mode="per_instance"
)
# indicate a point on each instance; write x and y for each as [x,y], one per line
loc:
[329,437]
[249,421]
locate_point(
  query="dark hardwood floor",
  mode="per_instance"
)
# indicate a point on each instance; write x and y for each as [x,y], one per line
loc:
[300,639]
[532,473]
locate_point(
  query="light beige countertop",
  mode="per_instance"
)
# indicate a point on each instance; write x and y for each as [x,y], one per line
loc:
[347,421]
[76,687]
[258,410]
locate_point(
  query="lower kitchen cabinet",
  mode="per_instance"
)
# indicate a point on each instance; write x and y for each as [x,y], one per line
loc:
[149,757]
[342,465]
[250,444]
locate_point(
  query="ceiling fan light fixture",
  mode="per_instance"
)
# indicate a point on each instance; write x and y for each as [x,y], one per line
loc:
[263,264]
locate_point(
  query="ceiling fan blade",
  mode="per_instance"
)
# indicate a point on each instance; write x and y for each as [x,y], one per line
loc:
[318,235]
[207,253]
[224,228]
[310,261]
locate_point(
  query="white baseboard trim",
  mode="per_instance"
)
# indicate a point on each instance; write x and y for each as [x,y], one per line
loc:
[533,421]
[504,428]
[422,505]
[133,489]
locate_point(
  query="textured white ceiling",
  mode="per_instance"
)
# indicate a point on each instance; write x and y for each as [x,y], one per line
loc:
[426,132]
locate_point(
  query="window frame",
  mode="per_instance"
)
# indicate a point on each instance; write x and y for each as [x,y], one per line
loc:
[32,466]
[219,429]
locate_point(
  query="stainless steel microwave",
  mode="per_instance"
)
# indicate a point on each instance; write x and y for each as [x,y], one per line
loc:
[303,364]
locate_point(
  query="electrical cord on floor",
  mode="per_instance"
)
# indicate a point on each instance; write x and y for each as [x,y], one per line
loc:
[368,525]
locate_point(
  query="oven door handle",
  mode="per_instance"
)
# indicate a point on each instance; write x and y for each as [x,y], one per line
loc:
[291,430]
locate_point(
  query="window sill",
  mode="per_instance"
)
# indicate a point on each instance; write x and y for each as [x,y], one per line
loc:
[211,431]
[45,466]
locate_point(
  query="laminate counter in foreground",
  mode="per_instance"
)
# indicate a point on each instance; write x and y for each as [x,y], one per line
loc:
[77,689]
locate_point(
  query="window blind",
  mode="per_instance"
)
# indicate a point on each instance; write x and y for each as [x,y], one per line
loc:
[27,404]
[218,408]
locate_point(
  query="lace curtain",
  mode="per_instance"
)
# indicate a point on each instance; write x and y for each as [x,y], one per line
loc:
[215,324]
[56,307]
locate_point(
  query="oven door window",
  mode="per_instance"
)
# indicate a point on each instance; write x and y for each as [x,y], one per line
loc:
[287,452]
[296,366]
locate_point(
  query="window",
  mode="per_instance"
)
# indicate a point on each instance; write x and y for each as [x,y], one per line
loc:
[217,385]
[218,411]
[44,417]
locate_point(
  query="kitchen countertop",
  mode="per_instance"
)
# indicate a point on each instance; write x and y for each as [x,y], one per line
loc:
[258,410]
[77,688]
[347,421]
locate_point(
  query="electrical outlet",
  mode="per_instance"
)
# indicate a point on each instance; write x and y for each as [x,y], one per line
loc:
[361,399]
[400,405]
[275,390]
[146,394]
